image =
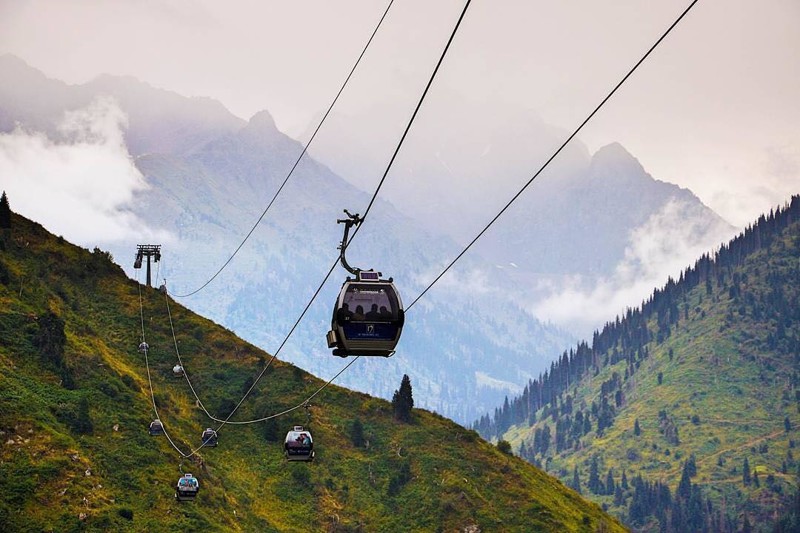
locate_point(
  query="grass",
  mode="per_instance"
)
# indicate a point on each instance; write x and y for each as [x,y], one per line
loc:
[726,390]
[431,475]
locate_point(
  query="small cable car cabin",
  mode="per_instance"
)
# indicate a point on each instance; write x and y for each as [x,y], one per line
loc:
[368,317]
[209,437]
[143,347]
[156,428]
[299,445]
[187,488]
[177,371]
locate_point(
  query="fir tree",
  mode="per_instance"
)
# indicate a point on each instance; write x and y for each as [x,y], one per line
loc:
[636,429]
[357,433]
[610,482]
[576,481]
[5,212]
[746,472]
[83,423]
[746,527]
[685,484]
[595,485]
[403,401]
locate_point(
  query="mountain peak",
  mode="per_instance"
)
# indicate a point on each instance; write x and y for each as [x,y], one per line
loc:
[260,128]
[616,158]
[262,121]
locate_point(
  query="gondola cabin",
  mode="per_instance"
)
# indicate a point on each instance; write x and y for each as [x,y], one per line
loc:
[209,437]
[187,488]
[156,428]
[367,318]
[299,445]
[177,371]
[143,347]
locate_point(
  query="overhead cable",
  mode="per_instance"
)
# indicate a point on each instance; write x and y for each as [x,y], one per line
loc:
[369,207]
[558,151]
[297,161]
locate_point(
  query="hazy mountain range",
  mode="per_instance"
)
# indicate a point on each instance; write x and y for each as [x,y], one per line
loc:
[474,338]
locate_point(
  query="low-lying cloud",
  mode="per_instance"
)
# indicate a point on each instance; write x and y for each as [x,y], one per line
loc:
[81,186]
[671,240]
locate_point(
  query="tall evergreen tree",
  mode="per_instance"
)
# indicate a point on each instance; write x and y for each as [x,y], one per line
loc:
[357,433]
[5,212]
[595,485]
[746,472]
[610,482]
[576,481]
[685,485]
[403,401]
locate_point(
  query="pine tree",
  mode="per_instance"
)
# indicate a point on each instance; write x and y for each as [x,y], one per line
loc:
[691,466]
[685,485]
[576,481]
[746,472]
[746,527]
[5,212]
[83,423]
[403,401]
[610,482]
[636,429]
[357,433]
[595,485]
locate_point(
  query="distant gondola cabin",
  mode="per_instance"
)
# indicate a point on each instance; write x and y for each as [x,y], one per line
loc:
[299,445]
[156,428]
[209,437]
[187,488]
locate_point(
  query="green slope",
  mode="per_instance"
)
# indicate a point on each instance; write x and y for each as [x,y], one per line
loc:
[713,376]
[74,408]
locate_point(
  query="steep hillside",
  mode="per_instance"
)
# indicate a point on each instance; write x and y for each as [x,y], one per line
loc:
[75,404]
[693,398]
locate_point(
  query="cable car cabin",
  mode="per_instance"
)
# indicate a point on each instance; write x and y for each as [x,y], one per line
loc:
[299,445]
[177,371]
[143,347]
[187,488]
[209,437]
[156,428]
[367,318]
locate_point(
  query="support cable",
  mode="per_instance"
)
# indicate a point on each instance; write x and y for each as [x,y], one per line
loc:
[297,161]
[558,151]
[145,349]
[333,266]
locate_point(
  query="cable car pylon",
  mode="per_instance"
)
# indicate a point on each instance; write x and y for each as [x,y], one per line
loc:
[368,315]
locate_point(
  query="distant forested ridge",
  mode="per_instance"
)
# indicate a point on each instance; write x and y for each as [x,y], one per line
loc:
[646,395]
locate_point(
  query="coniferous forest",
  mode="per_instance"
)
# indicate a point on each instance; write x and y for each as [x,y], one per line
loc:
[657,416]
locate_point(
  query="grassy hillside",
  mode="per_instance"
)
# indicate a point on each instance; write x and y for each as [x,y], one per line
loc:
[701,383]
[75,405]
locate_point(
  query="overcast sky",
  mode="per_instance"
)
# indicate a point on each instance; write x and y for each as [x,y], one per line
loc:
[715,108]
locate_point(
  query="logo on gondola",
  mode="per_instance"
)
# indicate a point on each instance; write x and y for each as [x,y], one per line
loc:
[370,328]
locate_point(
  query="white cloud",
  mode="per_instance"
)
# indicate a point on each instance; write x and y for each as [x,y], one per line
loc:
[665,245]
[81,187]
